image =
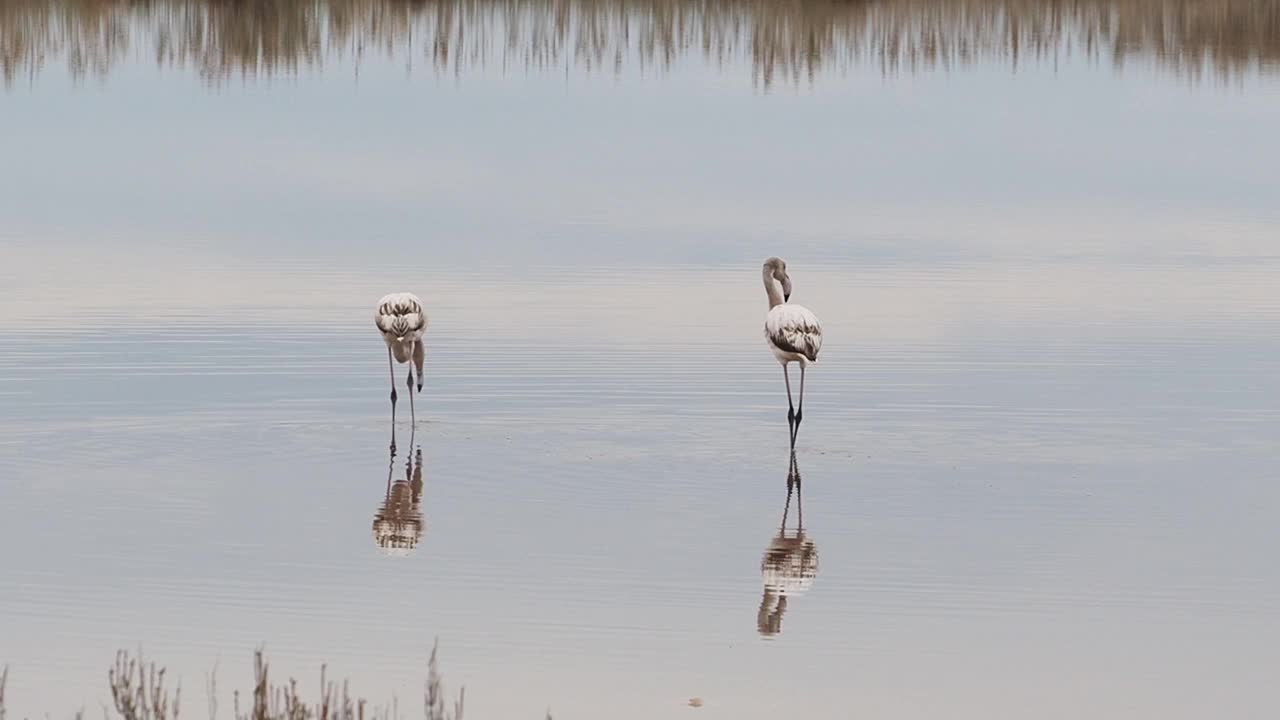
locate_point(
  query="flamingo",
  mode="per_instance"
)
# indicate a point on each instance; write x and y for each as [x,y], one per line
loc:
[792,332]
[402,322]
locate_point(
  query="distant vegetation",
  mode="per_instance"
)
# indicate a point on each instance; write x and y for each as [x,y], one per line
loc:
[781,39]
[141,691]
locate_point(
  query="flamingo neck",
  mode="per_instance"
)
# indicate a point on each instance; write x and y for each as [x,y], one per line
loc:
[772,288]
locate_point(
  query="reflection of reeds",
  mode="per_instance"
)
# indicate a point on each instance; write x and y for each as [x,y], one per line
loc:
[782,39]
[138,692]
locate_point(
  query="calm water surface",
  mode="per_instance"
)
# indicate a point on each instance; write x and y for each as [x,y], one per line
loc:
[1038,457]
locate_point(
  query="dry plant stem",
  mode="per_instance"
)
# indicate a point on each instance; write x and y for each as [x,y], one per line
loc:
[138,692]
[433,699]
[211,691]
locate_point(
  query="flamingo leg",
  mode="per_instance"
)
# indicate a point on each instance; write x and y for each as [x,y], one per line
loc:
[393,438]
[799,506]
[391,466]
[795,472]
[418,356]
[791,481]
[791,410]
[392,367]
[800,410]
[413,415]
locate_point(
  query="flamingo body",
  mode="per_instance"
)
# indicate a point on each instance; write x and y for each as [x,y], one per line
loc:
[402,322]
[793,334]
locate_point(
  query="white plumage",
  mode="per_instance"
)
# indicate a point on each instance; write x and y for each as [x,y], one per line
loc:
[401,319]
[402,322]
[793,333]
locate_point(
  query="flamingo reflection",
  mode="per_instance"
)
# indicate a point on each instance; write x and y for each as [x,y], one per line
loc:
[398,523]
[790,563]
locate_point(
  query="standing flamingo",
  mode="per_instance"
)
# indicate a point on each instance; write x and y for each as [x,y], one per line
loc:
[792,332]
[402,322]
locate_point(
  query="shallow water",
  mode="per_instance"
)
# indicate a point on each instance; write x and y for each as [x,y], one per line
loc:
[1038,453]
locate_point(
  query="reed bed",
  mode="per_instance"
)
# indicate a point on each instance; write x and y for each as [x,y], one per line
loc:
[140,690]
[781,39]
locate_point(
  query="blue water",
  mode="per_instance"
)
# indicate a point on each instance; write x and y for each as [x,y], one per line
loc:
[1038,450]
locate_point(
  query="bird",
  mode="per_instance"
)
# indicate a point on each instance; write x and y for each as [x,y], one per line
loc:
[792,332]
[402,322]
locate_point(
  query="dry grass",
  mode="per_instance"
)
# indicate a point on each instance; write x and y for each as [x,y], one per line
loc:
[782,39]
[138,692]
